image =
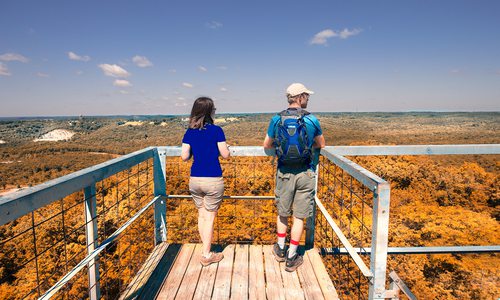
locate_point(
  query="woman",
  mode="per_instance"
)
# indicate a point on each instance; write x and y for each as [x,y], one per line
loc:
[205,142]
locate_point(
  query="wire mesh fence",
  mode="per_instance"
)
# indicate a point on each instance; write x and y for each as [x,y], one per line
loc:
[350,204]
[39,248]
[247,214]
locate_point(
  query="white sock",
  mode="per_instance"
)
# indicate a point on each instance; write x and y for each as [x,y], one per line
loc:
[292,250]
[281,242]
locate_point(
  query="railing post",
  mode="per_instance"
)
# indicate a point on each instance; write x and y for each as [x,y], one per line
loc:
[160,187]
[91,233]
[311,221]
[380,236]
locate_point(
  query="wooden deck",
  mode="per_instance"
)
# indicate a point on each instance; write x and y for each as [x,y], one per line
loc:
[246,272]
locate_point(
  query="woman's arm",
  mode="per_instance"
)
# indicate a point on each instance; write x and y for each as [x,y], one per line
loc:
[223,149]
[186,152]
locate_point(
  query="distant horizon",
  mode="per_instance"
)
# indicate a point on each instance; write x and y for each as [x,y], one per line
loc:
[2,118]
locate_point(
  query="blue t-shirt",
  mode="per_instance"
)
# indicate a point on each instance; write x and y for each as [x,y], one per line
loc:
[313,130]
[204,148]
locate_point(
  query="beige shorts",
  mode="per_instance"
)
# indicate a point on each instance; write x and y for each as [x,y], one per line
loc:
[295,194]
[207,192]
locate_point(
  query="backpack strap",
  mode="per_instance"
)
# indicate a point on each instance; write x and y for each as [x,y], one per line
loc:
[295,111]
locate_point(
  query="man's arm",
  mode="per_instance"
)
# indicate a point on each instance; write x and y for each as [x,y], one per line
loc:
[319,141]
[268,142]
[269,146]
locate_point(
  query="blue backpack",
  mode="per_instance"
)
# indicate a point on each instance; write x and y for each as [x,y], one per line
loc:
[292,147]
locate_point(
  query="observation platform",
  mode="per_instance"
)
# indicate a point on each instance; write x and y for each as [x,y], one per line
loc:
[246,272]
[124,229]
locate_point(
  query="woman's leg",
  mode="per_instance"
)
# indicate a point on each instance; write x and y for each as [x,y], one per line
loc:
[206,228]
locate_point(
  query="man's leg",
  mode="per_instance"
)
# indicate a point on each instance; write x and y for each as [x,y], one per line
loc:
[295,235]
[282,225]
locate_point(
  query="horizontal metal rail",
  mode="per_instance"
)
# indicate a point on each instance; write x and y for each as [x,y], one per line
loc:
[235,150]
[370,150]
[56,287]
[415,149]
[18,204]
[225,197]
[419,250]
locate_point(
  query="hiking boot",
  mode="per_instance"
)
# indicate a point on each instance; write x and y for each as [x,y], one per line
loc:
[293,263]
[213,258]
[278,253]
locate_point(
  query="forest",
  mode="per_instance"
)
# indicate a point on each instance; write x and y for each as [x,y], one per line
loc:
[435,200]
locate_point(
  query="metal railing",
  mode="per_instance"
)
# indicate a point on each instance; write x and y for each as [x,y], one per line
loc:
[351,218]
[94,219]
[352,229]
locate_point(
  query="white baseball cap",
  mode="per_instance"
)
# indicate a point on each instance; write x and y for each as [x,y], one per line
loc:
[295,89]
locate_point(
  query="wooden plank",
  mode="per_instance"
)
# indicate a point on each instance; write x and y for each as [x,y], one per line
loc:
[308,280]
[239,283]
[222,287]
[291,284]
[256,281]
[206,282]
[274,284]
[174,279]
[139,281]
[325,283]
[190,279]
[160,273]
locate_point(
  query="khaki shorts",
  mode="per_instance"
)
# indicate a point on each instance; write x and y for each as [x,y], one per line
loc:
[295,193]
[207,192]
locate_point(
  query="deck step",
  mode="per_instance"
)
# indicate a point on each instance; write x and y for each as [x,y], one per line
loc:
[142,277]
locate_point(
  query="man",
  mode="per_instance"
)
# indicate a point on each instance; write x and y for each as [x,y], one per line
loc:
[295,181]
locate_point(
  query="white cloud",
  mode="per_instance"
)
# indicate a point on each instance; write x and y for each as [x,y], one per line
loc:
[114,70]
[224,68]
[321,38]
[202,68]
[123,92]
[142,61]
[4,71]
[40,74]
[74,56]
[187,84]
[223,89]
[122,83]
[79,72]
[13,57]
[214,25]
[172,71]
[347,33]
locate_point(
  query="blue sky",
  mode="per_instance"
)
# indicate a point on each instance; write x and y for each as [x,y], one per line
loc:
[156,57]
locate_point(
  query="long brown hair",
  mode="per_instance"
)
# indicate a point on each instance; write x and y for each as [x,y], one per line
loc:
[201,113]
